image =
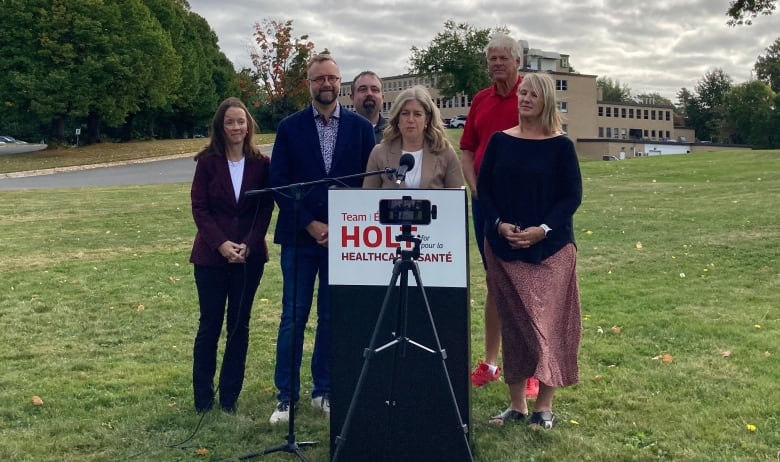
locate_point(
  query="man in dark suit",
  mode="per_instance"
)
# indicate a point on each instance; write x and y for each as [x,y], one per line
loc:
[321,141]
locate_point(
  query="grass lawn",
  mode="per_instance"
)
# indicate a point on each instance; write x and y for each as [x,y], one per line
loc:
[679,265]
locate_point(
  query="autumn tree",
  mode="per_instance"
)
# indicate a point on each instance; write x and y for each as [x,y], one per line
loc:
[745,11]
[455,59]
[279,59]
[612,91]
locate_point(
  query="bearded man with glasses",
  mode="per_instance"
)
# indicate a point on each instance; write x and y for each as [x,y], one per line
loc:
[321,141]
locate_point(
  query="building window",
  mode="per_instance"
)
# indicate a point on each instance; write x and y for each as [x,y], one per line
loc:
[609,132]
[565,128]
[609,112]
[668,135]
[561,85]
[630,113]
[622,132]
[623,113]
[667,117]
[645,115]
[564,61]
[617,133]
[601,132]
[601,111]
[652,115]
[563,106]
[645,132]
[652,134]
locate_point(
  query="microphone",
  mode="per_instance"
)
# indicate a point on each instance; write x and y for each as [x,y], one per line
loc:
[404,165]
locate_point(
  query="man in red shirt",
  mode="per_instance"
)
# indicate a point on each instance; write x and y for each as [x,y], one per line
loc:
[492,109]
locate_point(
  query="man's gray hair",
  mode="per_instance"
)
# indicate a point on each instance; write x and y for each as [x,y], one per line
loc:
[501,41]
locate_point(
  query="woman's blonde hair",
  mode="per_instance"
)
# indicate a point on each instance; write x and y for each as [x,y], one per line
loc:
[544,86]
[434,128]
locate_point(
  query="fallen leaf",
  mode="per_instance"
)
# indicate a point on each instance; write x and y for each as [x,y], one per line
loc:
[37,401]
[726,353]
[757,326]
[172,280]
[574,422]
[638,245]
[202,452]
[598,377]
[615,329]
[750,427]
[667,358]
[140,308]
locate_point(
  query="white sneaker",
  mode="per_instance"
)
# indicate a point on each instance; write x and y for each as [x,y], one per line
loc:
[321,403]
[281,413]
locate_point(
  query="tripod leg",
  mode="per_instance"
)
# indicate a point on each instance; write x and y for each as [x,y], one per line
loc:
[368,355]
[442,356]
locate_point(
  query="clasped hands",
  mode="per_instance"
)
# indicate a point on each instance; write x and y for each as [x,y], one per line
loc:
[235,253]
[520,238]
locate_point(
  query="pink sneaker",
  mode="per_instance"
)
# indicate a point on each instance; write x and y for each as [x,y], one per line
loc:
[532,387]
[481,375]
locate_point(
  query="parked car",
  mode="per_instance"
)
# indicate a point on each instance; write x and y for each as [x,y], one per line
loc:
[458,121]
[8,139]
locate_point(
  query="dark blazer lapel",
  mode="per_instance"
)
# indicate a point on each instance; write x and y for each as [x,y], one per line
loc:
[313,137]
[342,137]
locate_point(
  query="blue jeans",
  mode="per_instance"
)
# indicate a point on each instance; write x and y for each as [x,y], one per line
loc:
[311,262]
[479,228]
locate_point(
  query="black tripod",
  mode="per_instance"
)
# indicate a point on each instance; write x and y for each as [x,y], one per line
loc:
[404,263]
[291,446]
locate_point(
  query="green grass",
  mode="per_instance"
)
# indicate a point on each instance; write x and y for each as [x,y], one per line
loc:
[116,379]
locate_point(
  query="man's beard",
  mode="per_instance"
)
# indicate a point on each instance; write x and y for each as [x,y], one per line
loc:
[322,96]
[369,107]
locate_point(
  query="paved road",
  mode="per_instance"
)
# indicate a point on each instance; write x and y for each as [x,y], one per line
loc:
[164,171]
[171,170]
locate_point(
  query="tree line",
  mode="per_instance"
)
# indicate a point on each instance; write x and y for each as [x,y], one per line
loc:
[132,68]
[139,69]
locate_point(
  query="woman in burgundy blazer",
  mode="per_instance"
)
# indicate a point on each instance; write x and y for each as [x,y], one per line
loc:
[229,252]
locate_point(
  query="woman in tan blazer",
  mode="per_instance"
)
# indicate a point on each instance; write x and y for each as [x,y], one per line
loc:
[415,127]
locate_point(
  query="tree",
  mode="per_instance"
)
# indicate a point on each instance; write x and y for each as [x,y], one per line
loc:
[455,59]
[613,91]
[748,114]
[704,110]
[744,11]
[280,69]
[768,67]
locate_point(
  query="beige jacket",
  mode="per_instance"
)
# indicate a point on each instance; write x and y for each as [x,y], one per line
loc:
[439,169]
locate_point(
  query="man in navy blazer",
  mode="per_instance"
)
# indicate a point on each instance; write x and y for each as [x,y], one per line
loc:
[321,141]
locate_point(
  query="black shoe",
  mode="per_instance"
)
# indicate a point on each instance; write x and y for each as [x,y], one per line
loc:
[544,420]
[229,408]
[204,408]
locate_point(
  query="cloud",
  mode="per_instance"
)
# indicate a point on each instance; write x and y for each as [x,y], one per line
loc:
[658,46]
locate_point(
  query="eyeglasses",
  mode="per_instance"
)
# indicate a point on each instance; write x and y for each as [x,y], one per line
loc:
[321,79]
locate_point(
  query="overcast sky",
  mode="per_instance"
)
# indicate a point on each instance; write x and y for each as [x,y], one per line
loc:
[652,46]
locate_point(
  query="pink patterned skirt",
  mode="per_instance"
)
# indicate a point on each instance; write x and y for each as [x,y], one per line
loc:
[539,308]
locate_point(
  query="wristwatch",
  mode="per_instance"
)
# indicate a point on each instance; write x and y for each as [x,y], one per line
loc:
[546,229]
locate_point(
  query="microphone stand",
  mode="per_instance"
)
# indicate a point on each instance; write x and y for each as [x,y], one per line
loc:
[290,445]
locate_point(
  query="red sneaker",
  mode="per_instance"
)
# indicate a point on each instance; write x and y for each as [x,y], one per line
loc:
[481,375]
[532,387]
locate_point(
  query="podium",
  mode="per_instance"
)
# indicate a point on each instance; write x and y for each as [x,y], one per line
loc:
[404,409]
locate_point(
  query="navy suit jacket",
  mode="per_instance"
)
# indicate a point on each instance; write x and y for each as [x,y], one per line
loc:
[297,158]
[219,217]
